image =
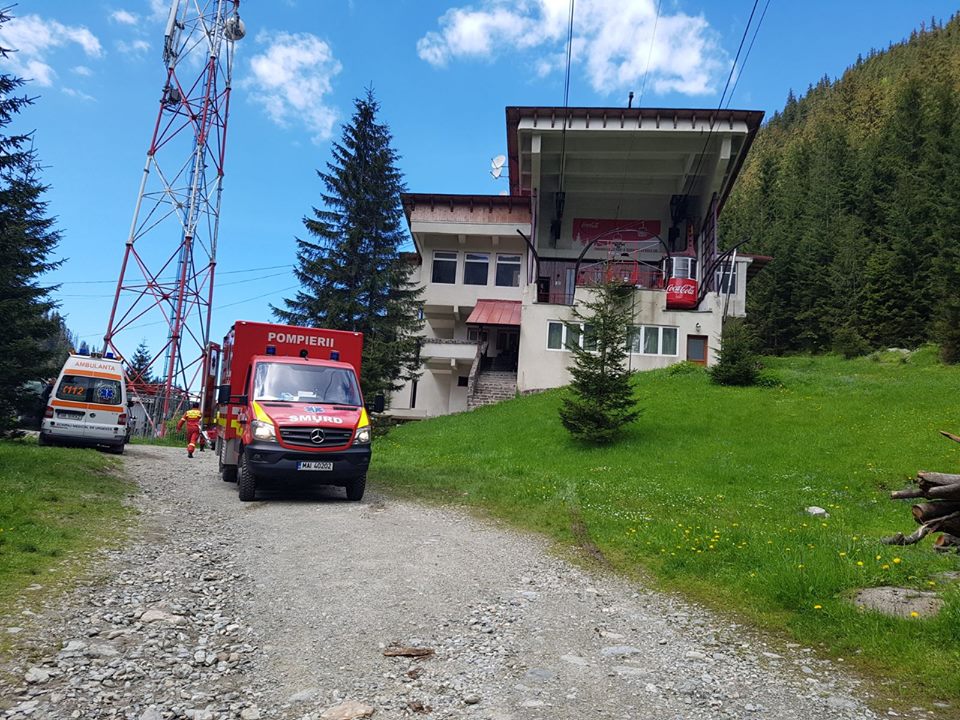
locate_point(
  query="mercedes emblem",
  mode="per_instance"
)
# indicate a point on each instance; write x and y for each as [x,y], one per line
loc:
[316,437]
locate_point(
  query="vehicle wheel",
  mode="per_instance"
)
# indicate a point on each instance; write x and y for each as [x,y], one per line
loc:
[355,489]
[246,480]
[228,473]
[42,440]
[117,449]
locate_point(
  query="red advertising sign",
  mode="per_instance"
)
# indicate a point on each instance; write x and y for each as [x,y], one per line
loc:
[611,233]
[681,293]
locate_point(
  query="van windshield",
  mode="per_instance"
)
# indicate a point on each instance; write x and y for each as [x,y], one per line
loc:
[81,388]
[305,383]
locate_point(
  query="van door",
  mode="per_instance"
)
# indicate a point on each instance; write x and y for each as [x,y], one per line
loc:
[87,404]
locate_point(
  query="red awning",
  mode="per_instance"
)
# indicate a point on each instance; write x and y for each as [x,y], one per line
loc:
[495,312]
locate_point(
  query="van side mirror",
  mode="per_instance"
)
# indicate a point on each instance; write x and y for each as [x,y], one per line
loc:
[130,403]
[379,404]
[223,394]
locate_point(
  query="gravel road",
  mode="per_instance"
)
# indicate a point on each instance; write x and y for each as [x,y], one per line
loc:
[283,608]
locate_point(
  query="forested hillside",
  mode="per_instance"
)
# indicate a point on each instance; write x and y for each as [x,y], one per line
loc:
[854,189]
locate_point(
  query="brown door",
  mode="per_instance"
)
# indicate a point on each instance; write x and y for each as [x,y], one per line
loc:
[697,349]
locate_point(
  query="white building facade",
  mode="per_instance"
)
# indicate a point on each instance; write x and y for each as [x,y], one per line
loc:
[594,193]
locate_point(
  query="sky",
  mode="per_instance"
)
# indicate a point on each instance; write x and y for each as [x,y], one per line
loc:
[443,72]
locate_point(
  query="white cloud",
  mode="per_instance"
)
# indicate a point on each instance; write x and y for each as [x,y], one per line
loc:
[291,78]
[159,9]
[34,38]
[124,17]
[134,47]
[82,71]
[612,41]
[80,95]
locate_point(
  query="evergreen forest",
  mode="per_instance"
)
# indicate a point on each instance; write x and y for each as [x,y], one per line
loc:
[854,190]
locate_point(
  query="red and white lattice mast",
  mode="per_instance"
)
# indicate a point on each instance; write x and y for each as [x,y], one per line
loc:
[167,273]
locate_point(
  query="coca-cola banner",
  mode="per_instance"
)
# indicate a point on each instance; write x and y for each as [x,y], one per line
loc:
[611,233]
[681,293]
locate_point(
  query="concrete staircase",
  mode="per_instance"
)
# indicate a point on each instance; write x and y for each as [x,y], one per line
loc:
[492,386]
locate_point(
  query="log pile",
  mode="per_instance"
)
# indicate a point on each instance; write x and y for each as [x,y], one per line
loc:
[941,515]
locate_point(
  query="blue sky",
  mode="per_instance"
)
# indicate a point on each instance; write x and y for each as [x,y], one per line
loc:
[443,72]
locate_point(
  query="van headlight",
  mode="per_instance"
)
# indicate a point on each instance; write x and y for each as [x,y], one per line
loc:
[363,436]
[263,431]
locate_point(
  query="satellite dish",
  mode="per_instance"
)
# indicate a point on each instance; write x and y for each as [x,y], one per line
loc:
[234,29]
[496,166]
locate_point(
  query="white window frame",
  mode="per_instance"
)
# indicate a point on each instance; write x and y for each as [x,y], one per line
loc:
[456,262]
[684,267]
[728,271]
[565,335]
[660,331]
[467,261]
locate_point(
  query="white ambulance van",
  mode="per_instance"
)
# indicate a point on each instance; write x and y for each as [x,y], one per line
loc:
[88,404]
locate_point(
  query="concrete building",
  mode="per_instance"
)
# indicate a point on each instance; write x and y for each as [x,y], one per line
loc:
[594,193]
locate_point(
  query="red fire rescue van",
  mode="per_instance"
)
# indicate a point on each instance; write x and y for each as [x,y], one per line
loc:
[289,406]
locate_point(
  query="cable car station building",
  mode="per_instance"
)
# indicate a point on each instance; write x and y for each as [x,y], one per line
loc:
[595,193]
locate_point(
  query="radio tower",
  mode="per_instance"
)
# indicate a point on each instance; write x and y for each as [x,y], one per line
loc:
[166,277]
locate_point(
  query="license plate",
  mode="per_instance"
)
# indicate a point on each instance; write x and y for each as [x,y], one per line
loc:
[328,466]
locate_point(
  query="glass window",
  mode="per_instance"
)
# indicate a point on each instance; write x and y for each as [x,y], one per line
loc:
[669,338]
[651,340]
[685,267]
[305,383]
[633,338]
[475,267]
[444,267]
[508,270]
[555,336]
[589,338]
[572,336]
[81,388]
[727,279]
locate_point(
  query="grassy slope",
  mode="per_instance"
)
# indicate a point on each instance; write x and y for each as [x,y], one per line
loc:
[54,504]
[707,492]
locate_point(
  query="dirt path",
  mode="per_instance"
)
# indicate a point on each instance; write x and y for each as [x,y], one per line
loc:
[282,608]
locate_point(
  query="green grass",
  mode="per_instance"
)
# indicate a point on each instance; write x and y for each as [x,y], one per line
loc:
[55,503]
[706,494]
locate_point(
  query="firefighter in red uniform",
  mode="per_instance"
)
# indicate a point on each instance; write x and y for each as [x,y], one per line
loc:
[192,418]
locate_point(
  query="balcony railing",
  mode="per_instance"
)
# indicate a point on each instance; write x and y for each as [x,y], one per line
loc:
[631,272]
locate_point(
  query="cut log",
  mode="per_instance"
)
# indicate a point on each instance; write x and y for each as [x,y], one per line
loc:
[936,478]
[934,492]
[955,438]
[925,512]
[948,523]
[946,543]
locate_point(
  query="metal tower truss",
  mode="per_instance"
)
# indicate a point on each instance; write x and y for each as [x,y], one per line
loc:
[167,273]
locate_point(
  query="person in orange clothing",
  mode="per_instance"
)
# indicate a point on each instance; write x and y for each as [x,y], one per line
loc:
[192,419]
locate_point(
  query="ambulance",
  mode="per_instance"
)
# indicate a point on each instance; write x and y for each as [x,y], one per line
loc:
[290,408]
[88,404]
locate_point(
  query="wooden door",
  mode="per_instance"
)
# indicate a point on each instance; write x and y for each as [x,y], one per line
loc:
[697,349]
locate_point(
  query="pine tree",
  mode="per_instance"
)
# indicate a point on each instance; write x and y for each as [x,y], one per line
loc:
[738,361]
[139,368]
[353,275]
[27,237]
[599,403]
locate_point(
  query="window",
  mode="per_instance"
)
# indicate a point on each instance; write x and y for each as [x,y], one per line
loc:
[561,336]
[475,267]
[589,338]
[508,270]
[462,381]
[81,388]
[727,278]
[305,383]
[476,335]
[684,267]
[444,267]
[653,340]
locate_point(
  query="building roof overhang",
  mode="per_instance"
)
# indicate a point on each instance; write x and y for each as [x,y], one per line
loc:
[629,151]
[496,312]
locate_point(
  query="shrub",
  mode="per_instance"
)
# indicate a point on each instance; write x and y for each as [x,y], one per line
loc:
[849,343]
[738,363]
